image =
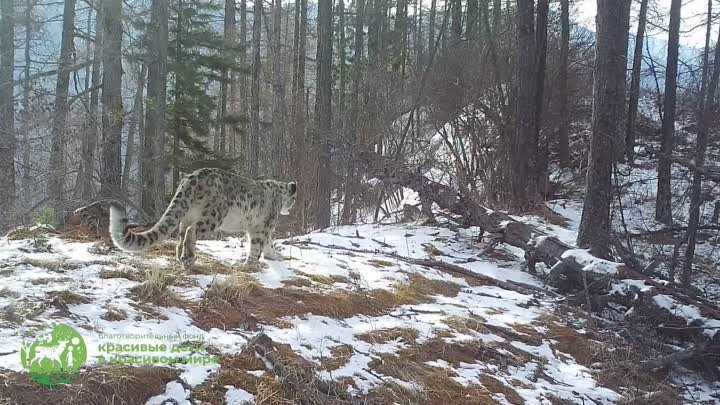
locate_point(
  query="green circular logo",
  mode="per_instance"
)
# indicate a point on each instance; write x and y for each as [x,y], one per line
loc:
[55,357]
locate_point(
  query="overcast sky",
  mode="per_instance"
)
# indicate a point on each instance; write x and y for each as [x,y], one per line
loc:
[692,13]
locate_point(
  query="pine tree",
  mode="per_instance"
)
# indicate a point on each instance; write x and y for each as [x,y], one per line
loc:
[199,58]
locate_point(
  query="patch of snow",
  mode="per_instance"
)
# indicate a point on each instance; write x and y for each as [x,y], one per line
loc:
[591,263]
[237,396]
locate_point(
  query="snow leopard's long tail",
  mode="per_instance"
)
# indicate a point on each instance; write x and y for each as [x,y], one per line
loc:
[131,241]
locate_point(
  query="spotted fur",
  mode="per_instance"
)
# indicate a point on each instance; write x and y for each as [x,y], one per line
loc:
[210,201]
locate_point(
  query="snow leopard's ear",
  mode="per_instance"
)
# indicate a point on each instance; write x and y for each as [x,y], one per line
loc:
[292,188]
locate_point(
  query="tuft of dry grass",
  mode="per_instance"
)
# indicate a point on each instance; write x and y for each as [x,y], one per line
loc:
[233,371]
[495,386]
[117,385]
[83,233]
[126,273]
[435,386]
[339,356]
[465,325]
[380,263]
[67,297]
[24,232]
[405,335]
[57,265]
[114,314]
[155,289]
[322,279]
[233,290]
[298,282]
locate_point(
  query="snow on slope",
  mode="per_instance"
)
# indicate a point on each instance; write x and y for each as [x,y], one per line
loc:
[520,328]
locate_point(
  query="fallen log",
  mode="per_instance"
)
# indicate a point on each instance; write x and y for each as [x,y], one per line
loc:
[446,267]
[686,317]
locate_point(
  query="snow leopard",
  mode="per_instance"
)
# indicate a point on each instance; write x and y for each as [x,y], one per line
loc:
[209,202]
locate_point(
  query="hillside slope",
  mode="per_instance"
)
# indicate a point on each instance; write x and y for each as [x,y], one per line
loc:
[349,306]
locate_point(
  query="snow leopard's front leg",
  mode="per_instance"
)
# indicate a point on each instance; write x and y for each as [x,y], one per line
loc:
[256,245]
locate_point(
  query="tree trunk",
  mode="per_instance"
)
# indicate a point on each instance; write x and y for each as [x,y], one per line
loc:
[324,111]
[419,51]
[431,29]
[635,83]
[278,111]
[340,110]
[352,181]
[497,16]
[7,113]
[111,165]
[90,136]
[153,161]
[254,147]
[299,157]
[524,145]
[243,84]
[564,124]
[56,175]
[456,22]
[706,107]
[27,181]
[613,22]
[134,128]
[663,206]
[473,20]
[540,169]
[226,98]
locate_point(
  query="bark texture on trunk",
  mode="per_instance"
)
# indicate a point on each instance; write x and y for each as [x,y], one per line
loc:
[608,107]
[635,83]
[112,117]
[153,160]
[254,146]
[324,111]
[56,175]
[7,114]
[663,205]
[564,124]
[706,108]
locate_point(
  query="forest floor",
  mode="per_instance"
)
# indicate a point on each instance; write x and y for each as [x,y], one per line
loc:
[348,317]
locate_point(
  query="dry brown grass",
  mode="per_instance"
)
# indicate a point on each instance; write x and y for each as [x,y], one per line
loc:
[404,335]
[233,371]
[83,233]
[155,289]
[126,273]
[121,385]
[339,356]
[435,385]
[582,349]
[299,282]
[473,323]
[24,232]
[264,305]
[322,279]
[495,386]
[56,265]
[68,297]
[114,314]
